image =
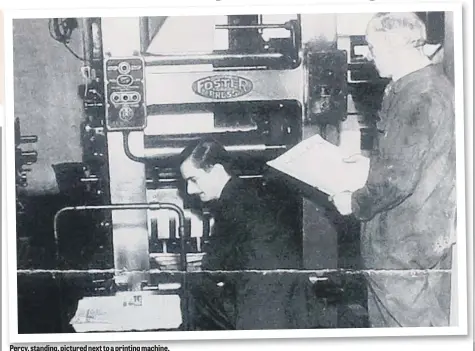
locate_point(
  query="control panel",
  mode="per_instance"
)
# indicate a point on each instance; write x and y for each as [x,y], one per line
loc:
[125,94]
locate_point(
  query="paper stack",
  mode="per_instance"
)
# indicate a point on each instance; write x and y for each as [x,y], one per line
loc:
[127,311]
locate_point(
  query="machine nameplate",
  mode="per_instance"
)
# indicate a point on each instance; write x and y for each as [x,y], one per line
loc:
[222,87]
[170,88]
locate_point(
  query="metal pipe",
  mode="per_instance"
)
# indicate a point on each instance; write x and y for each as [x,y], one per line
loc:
[144,34]
[96,37]
[260,21]
[128,153]
[136,206]
[296,35]
[254,26]
[152,153]
[87,39]
[256,176]
[252,136]
[173,151]
[163,60]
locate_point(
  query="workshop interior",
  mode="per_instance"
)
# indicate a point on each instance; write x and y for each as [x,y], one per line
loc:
[107,238]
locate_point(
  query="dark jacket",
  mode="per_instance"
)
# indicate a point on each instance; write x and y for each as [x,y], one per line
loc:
[247,235]
[409,202]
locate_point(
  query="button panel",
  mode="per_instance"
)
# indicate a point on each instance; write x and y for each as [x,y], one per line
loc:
[124,88]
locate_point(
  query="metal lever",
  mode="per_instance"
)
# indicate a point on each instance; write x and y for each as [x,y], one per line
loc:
[29,157]
[28,139]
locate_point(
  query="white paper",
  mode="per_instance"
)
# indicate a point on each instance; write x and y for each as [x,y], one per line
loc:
[324,166]
[121,313]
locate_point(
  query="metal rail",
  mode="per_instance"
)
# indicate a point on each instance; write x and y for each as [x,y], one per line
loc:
[135,206]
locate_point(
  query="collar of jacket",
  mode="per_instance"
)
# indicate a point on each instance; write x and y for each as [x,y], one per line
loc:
[416,76]
[227,195]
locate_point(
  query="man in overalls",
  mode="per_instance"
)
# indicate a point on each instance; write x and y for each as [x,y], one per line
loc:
[408,205]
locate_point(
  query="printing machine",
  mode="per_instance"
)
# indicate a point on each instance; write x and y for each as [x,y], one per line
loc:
[259,97]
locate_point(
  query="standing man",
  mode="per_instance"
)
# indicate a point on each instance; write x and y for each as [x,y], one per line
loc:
[247,235]
[408,205]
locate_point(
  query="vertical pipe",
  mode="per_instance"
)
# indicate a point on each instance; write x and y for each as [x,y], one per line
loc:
[87,39]
[144,34]
[449,46]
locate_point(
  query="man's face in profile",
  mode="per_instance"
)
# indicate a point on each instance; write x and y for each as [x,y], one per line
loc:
[200,182]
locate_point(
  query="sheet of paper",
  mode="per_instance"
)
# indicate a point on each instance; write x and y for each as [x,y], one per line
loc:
[324,166]
[124,312]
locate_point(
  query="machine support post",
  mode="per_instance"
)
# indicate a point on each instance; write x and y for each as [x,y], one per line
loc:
[121,38]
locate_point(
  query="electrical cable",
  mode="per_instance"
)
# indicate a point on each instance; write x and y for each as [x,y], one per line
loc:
[61,30]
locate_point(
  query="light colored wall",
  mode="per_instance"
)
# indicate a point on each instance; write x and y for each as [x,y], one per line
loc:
[2,61]
[46,80]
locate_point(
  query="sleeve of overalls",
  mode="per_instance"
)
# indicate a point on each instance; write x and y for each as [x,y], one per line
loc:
[396,171]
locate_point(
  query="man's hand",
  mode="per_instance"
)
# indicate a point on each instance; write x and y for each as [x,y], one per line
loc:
[342,202]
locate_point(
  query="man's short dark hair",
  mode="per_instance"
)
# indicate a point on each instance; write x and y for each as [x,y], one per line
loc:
[206,153]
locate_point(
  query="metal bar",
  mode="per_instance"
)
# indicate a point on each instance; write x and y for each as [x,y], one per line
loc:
[173,151]
[141,206]
[144,34]
[28,139]
[96,39]
[253,26]
[257,176]
[252,136]
[87,39]
[89,180]
[315,272]
[163,60]
[174,180]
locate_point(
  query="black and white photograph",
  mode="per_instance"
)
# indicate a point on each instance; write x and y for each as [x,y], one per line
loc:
[271,172]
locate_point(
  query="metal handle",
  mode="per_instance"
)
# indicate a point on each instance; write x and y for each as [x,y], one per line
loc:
[28,139]
[136,206]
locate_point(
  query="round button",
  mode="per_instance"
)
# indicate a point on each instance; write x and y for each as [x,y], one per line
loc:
[124,67]
[126,114]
